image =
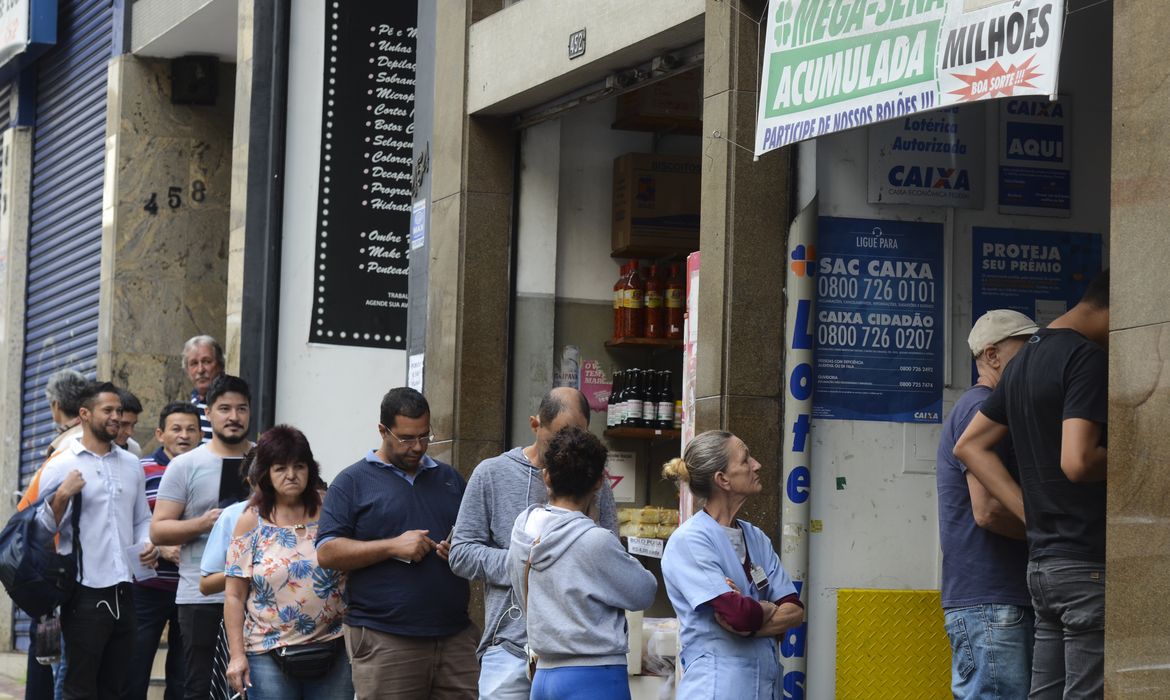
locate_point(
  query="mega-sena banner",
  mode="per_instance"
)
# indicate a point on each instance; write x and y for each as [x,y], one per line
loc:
[831,65]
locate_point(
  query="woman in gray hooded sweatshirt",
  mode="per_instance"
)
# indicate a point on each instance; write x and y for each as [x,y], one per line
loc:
[574,579]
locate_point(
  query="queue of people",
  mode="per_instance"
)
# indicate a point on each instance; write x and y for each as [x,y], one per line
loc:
[271,584]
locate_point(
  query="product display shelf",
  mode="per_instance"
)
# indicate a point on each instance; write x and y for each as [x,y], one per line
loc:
[644,343]
[626,433]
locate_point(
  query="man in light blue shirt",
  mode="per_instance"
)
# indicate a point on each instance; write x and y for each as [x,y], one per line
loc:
[98,624]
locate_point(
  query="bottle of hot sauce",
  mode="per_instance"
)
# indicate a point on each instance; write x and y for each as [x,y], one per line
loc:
[617,301]
[633,289]
[674,302]
[654,325]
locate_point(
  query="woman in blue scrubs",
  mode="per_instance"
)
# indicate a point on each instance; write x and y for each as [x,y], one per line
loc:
[732,596]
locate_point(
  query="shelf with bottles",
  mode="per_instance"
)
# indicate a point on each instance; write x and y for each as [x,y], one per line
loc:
[622,433]
[648,308]
[642,406]
[668,343]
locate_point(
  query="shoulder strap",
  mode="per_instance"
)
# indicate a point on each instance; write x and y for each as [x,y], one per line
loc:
[527,568]
[75,519]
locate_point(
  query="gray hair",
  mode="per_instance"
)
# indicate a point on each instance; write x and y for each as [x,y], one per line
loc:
[202,341]
[705,456]
[66,388]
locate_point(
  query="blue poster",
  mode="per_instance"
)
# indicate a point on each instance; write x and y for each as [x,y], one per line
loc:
[1041,274]
[1035,166]
[880,324]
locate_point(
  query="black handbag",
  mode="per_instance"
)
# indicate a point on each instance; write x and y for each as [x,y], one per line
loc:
[34,575]
[48,640]
[308,662]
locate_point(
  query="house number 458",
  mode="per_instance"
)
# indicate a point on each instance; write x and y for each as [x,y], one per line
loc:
[175,197]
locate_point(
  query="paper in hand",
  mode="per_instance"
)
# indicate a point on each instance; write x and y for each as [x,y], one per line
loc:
[140,571]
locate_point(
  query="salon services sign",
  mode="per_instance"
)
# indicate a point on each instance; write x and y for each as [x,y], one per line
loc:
[831,65]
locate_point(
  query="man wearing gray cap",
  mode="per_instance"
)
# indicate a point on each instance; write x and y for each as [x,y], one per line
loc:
[985,597]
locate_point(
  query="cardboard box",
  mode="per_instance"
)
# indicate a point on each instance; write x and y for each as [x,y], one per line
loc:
[655,205]
[673,105]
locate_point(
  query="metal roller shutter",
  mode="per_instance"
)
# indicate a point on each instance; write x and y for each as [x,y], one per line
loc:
[65,219]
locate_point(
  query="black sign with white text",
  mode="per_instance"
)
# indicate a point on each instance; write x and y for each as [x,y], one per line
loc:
[364,200]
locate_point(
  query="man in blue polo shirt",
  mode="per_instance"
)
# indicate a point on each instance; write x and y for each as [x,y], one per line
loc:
[386,521]
[986,606]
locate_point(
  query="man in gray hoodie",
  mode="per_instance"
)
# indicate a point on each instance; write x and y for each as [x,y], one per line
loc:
[500,489]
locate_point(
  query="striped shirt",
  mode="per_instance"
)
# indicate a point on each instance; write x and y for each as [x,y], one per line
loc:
[204,423]
[153,467]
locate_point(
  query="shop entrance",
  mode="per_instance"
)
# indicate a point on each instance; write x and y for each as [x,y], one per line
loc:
[1017,217]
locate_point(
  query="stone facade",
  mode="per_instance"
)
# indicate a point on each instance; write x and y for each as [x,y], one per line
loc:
[165,230]
[1137,646]
[743,241]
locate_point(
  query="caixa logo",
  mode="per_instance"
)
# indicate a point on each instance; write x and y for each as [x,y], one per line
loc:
[1036,108]
[930,177]
[926,415]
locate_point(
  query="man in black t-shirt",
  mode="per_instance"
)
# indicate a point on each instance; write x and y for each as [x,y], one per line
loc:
[1053,400]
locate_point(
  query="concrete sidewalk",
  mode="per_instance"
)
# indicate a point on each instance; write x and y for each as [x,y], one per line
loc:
[12,667]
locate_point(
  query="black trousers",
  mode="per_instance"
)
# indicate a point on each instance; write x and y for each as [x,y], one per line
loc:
[98,625]
[155,609]
[200,626]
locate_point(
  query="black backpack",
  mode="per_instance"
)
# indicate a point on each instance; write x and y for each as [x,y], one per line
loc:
[36,577]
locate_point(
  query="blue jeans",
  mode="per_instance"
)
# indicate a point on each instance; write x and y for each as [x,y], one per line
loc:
[1069,597]
[155,608]
[503,676]
[991,651]
[270,683]
[581,683]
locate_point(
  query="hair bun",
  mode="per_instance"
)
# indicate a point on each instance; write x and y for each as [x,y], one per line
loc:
[676,470]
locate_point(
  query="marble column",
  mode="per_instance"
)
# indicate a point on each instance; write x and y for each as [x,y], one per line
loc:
[165,230]
[15,178]
[239,185]
[469,265]
[468,278]
[742,239]
[1137,585]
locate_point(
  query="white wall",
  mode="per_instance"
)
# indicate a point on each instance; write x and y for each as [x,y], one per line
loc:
[330,392]
[585,270]
[881,529]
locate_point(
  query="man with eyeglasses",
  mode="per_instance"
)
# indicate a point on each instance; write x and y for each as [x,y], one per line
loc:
[386,521]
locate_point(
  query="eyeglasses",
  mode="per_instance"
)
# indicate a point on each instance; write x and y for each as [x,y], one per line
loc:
[411,442]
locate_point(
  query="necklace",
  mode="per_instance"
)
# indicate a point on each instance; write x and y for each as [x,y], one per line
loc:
[295,527]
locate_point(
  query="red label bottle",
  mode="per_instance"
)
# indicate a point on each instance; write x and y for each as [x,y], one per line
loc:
[655,323]
[675,304]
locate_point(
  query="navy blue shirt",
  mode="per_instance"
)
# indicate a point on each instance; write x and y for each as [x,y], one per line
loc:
[979,566]
[370,500]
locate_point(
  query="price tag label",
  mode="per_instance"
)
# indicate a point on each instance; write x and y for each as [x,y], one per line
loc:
[646,547]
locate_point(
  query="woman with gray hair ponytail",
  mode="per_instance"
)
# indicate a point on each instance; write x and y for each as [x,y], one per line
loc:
[733,598]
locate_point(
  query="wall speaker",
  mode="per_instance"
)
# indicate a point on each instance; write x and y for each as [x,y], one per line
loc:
[194,80]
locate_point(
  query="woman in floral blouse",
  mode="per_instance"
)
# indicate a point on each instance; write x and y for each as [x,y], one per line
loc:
[278,599]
